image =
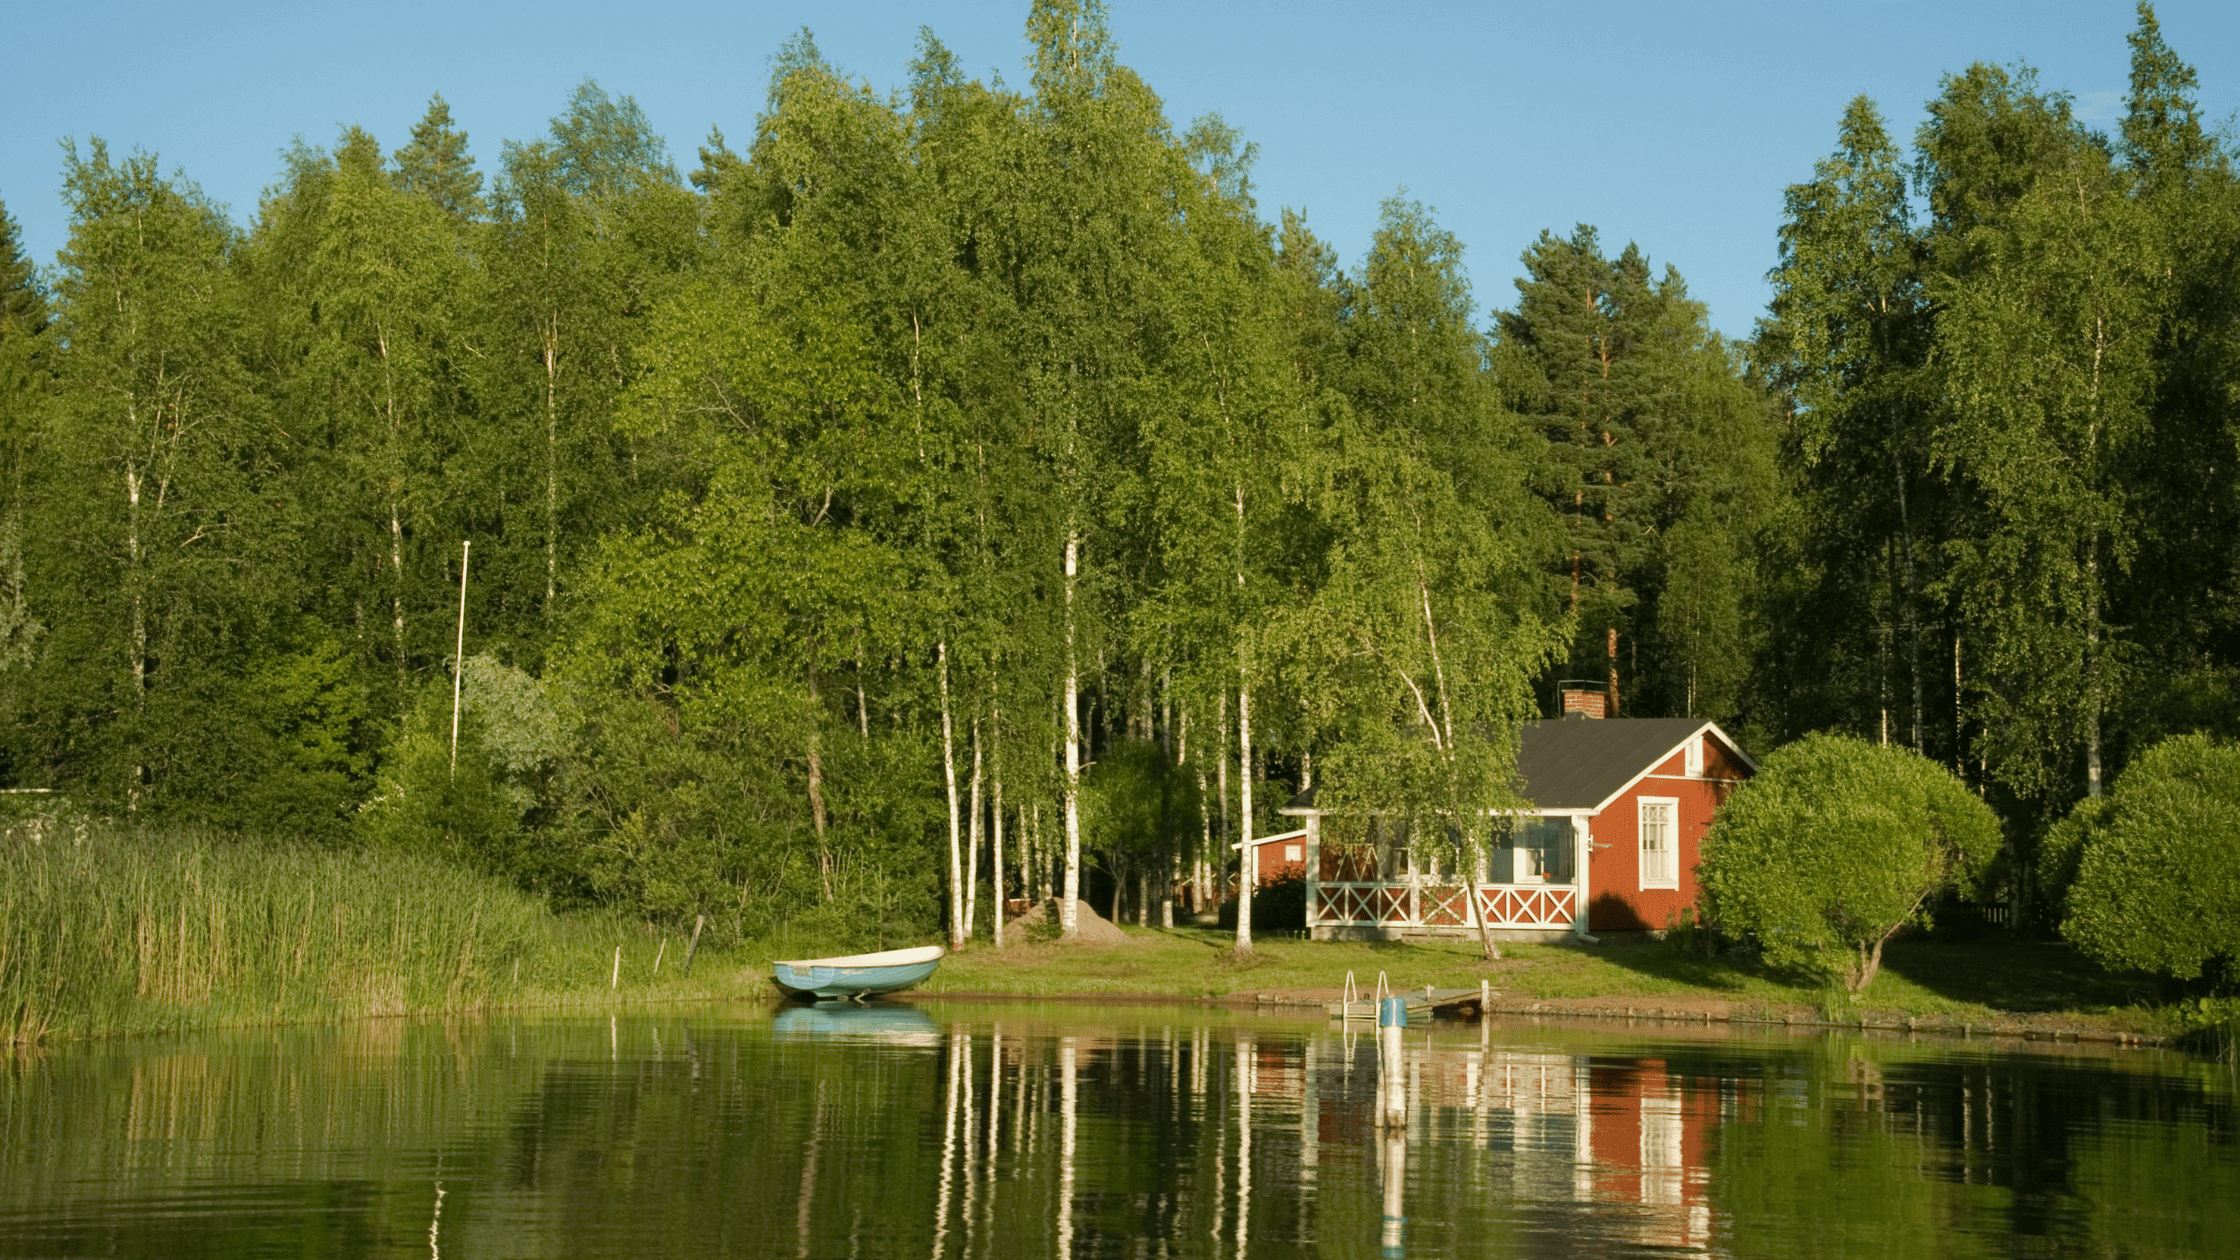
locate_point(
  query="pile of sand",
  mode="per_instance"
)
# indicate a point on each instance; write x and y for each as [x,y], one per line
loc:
[1091,927]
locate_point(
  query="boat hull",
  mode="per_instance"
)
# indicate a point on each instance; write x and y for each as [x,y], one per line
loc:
[857,975]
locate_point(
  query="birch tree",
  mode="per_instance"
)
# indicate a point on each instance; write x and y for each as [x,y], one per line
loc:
[1425,636]
[155,451]
[2046,347]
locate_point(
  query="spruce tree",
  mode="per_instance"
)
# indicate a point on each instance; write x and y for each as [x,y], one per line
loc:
[437,166]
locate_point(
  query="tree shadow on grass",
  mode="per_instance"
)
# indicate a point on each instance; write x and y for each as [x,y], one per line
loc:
[1668,964]
[2009,973]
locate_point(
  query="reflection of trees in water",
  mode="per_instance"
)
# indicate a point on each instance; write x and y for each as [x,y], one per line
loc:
[886,1131]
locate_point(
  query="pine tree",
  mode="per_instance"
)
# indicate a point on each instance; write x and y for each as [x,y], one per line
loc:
[1647,420]
[2186,495]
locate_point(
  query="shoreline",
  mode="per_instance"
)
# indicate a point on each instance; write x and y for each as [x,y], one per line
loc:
[1657,1009]
[2014,989]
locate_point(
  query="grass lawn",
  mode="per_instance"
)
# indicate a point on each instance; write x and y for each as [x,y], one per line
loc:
[1981,982]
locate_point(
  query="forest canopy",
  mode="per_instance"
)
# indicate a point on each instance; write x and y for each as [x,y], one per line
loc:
[822,516]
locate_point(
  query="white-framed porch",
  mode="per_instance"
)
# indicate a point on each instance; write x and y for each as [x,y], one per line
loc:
[1534,890]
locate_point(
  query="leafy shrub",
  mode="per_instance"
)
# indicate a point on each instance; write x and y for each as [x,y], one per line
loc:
[1137,806]
[2157,862]
[510,739]
[1278,905]
[1837,844]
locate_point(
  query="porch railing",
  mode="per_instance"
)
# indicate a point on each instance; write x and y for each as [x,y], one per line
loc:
[1425,905]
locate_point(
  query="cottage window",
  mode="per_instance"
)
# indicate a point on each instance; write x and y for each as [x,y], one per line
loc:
[1695,757]
[1660,837]
[1536,851]
[1397,867]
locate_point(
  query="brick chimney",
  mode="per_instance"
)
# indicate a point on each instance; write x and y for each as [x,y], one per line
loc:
[1583,697]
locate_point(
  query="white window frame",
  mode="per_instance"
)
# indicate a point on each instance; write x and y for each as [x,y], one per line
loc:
[1668,874]
[1694,757]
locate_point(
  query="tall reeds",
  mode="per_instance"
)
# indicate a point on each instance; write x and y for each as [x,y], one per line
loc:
[106,929]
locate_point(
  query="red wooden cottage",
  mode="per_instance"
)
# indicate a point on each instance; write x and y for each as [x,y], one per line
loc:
[1619,808]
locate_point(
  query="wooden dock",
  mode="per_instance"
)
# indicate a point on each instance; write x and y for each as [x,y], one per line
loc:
[1423,1003]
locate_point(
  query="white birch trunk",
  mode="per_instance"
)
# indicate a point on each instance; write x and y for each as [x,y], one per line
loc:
[816,789]
[1037,858]
[995,845]
[949,779]
[1218,853]
[1068,911]
[551,460]
[972,845]
[1201,865]
[1247,860]
[396,490]
[139,622]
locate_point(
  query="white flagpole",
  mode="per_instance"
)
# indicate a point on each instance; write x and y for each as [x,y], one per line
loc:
[459,658]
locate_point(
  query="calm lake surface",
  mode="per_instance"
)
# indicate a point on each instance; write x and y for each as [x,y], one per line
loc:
[968,1130]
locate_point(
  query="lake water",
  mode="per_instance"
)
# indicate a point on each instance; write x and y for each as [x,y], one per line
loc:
[968,1130]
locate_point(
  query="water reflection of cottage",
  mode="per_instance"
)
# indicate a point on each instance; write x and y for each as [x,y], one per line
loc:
[1623,1133]
[1619,808]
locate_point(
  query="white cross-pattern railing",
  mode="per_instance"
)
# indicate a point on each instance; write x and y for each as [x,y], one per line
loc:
[1412,905]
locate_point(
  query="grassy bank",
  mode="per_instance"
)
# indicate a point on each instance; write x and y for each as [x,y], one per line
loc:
[107,930]
[1993,980]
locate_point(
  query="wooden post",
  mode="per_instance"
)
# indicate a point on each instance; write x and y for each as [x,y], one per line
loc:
[615,981]
[657,956]
[698,921]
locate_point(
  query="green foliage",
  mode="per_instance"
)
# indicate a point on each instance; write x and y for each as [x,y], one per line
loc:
[106,930]
[1278,905]
[606,147]
[436,165]
[290,756]
[795,498]
[2157,882]
[24,379]
[1137,807]
[427,802]
[1836,844]
[481,805]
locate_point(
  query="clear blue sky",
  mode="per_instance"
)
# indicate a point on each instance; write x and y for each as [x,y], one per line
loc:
[1671,123]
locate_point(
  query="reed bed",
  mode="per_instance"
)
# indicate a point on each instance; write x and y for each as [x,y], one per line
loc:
[107,929]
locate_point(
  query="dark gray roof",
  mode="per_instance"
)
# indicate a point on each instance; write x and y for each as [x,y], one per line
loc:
[1579,763]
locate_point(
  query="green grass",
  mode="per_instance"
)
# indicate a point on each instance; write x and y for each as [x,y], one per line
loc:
[1978,982]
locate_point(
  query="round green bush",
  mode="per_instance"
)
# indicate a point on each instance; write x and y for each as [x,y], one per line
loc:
[1834,846]
[2158,868]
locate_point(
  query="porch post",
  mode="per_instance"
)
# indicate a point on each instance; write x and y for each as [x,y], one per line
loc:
[1583,842]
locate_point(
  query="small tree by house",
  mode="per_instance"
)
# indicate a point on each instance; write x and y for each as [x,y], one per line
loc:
[1835,845]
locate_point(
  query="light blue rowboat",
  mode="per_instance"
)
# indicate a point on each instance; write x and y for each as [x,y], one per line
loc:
[857,975]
